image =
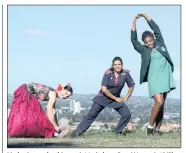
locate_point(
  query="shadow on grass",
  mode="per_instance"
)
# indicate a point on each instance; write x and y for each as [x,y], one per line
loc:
[42,145]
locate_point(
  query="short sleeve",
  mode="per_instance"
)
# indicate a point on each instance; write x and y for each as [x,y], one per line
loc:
[129,81]
[105,80]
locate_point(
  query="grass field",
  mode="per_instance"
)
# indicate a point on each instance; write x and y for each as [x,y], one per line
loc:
[101,139]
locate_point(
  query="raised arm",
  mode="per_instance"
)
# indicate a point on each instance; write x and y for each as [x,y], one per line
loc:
[134,39]
[154,27]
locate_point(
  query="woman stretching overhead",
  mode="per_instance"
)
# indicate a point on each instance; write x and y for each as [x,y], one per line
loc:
[156,69]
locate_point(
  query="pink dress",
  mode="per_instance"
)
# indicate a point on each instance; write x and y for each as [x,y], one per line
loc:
[27,118]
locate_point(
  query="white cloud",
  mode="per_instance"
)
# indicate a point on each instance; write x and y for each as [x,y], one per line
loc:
[176,75]
[34,32]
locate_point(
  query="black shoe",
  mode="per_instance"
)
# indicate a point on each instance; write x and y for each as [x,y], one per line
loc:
[121,134]
[150,131]
[75,134]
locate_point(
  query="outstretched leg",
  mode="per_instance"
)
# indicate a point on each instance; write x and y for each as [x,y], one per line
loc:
[88,120]
[125,117]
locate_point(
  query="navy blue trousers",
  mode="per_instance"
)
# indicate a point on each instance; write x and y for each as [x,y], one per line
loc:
[94,112]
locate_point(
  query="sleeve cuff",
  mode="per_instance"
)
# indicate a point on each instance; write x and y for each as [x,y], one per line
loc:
[133,33]
[151,22]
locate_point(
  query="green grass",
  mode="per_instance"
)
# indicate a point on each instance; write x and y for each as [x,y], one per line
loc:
[101,139]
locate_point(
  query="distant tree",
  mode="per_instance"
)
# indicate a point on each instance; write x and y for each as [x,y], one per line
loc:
[112,127]
[70,123]
[106,126]
[76,117]
[73,118]
[84,112]
[101,117]
[141,120]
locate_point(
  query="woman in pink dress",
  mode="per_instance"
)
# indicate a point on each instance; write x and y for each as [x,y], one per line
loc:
[27,118]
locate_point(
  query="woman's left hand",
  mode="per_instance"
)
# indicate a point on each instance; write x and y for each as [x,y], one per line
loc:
[124,99]
[141,15]
[145,16]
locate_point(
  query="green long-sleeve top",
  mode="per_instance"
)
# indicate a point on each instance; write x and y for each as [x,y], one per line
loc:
[146,52]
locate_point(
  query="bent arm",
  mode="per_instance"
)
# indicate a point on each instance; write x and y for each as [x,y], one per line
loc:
[155,28]
[104,85]
[50,113]
[134,39]
[129,93]
[130,84]
[107,93]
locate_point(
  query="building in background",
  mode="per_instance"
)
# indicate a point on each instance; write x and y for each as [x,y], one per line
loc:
[75,106]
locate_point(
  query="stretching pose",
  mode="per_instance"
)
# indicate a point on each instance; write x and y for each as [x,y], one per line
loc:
[156,69]
[27,118]
[109,96]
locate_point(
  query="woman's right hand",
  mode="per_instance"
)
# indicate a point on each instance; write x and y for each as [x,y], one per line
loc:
[134,22]
[119,100]
[58,129]
[144,16]
[136,17]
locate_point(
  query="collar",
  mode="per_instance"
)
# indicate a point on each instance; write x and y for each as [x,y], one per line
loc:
[112,71]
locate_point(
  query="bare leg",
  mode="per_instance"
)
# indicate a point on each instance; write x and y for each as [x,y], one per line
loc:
[159,101]
[161,113]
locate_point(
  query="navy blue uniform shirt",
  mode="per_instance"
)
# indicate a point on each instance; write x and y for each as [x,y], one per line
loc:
[115,86]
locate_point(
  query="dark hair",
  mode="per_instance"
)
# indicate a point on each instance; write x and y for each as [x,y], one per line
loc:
[117,59]
[147,34]
[68,88]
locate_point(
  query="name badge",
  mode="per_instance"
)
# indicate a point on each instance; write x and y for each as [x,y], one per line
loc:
[163,49]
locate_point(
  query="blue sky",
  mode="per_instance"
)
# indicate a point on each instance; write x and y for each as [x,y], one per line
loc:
[76,44]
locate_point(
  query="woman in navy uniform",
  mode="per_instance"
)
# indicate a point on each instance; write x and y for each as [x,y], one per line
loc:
[109,96]
[156,69]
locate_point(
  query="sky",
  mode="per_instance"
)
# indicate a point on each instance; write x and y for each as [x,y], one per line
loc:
[76,44]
